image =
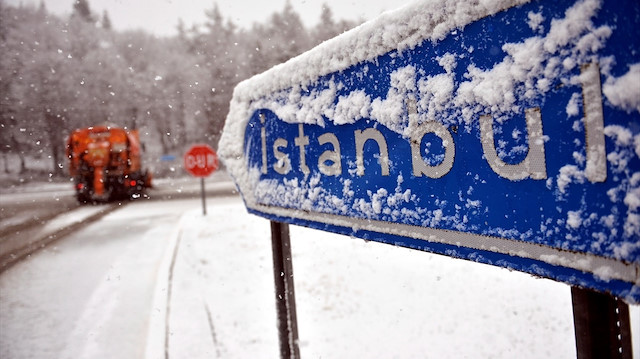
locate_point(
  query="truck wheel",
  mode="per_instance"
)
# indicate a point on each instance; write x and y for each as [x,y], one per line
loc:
[82,198]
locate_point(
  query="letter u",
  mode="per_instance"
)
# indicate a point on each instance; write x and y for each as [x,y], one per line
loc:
[534,165]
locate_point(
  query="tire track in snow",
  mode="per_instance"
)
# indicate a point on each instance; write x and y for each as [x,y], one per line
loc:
[172,305]
[167,332]
[123,286]
[212,330]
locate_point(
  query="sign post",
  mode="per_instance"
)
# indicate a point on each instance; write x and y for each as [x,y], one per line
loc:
[285,294]
[601,324]
[502,132]
[201,161]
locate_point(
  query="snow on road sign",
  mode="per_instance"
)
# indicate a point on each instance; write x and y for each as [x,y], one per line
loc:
[506,132]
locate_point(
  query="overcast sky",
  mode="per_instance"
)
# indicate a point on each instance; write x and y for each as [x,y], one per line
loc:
[161,16]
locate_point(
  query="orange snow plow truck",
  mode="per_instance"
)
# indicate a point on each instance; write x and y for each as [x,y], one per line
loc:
[105,164]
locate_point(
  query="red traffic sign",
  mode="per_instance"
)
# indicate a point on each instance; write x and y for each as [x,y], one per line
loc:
[200,160]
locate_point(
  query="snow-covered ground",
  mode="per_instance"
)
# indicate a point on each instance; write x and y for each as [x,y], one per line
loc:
[103,293]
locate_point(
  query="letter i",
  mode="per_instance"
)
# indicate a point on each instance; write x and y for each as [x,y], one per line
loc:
[263,136]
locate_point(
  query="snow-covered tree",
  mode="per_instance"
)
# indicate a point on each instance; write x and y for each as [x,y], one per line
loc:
[59,74]
[81,9]
[106,21]
[328,27]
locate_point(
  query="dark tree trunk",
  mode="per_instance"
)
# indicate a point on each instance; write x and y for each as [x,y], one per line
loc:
[54,125]
[17,148]
[6,163]
[23,166]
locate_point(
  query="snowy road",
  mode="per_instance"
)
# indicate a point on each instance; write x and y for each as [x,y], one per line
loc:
[104,293]
[35,201]
[77,298]
[35,214]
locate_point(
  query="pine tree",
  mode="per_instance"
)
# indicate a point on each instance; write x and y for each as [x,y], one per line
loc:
[43,8]
[81,8]
[106,21]
[328,28]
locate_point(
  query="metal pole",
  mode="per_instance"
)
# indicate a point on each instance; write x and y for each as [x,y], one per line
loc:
[602,325]
[285,294]
[204,203]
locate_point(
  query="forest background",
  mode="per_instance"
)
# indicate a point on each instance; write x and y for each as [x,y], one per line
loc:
[58,74]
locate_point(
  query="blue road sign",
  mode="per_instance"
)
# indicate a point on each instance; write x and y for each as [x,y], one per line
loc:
[167,158]
[505,133]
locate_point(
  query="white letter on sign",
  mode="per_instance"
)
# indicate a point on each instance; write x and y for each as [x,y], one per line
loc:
[191,162]
[263,137]
[534,165]
[335,169]
[201,161]
[283,166]
[419,166]
[361,137]
[302,141]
